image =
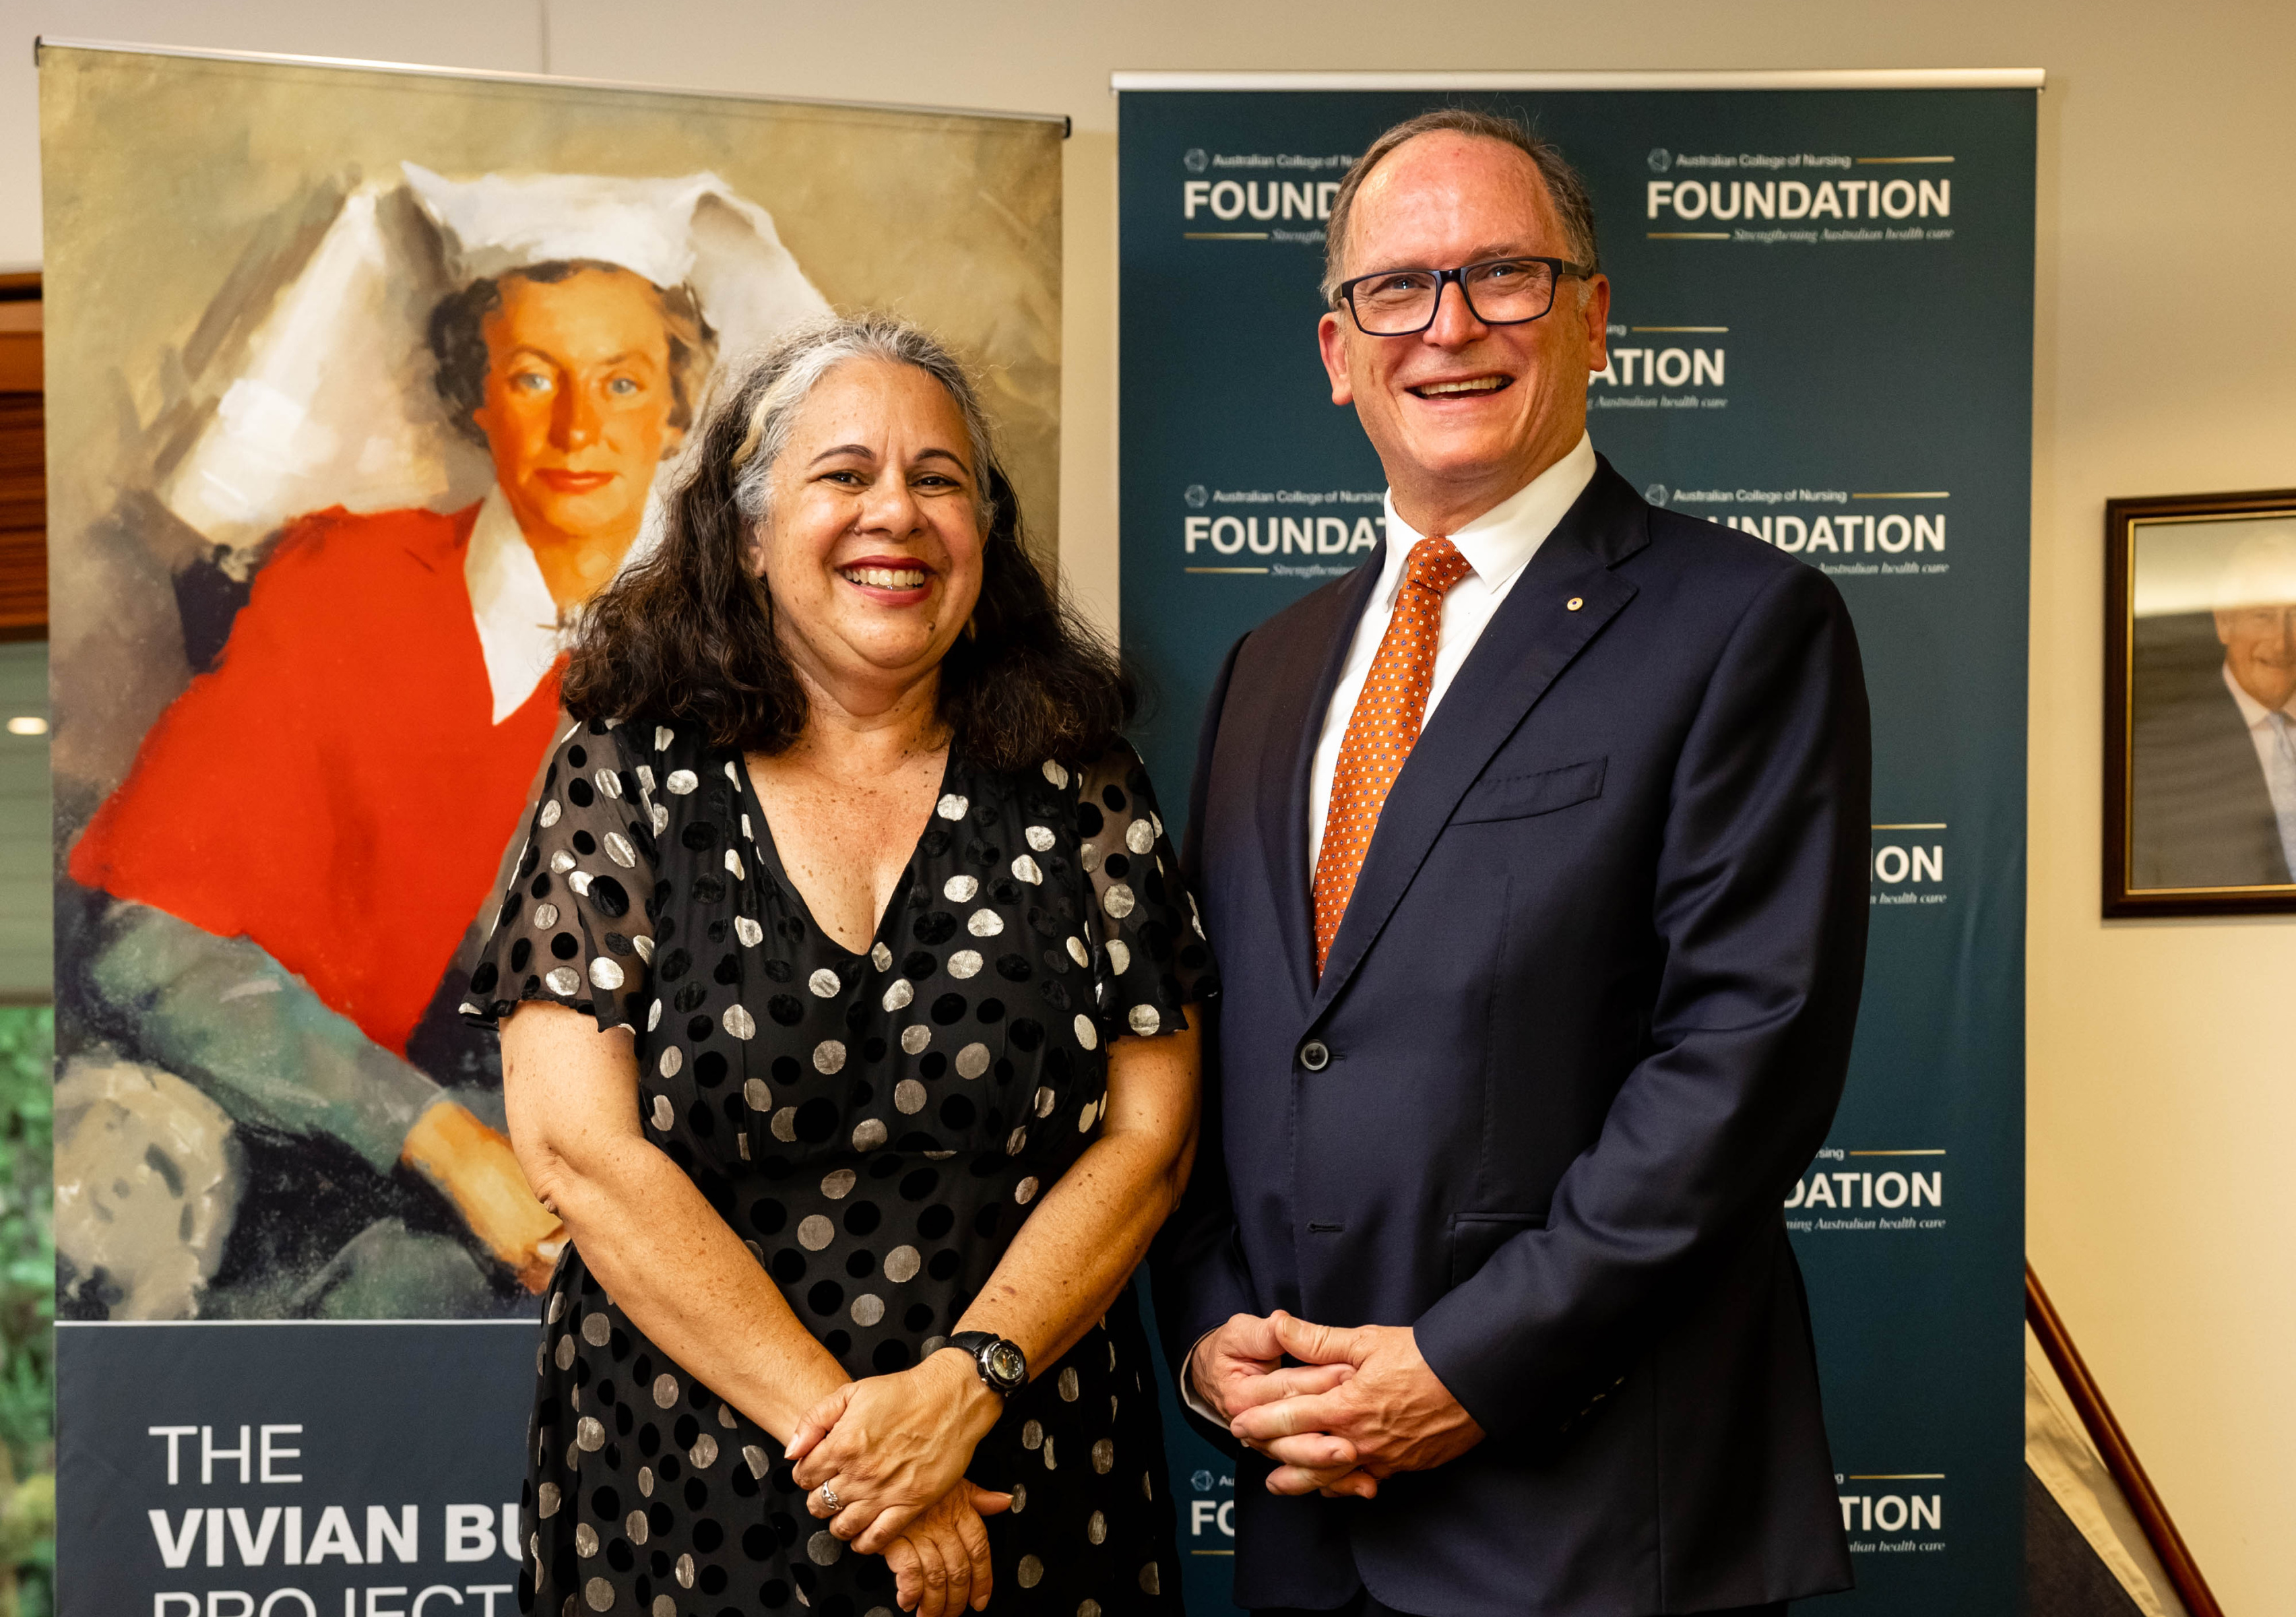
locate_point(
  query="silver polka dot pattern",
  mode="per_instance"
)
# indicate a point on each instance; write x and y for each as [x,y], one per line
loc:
[764,1017]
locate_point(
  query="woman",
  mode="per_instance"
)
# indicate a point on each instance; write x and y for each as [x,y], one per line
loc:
[383,658]
[843,985]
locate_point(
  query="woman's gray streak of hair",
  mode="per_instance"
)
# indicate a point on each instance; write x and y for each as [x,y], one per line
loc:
[784,375]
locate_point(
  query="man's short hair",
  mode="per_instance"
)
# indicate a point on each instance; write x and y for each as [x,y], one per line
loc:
[1569,192]
[458,341]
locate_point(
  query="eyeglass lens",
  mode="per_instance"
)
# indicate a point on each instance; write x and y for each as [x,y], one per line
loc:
[1503,293]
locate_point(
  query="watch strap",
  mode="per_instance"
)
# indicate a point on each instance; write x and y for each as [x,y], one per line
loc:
[981,1345]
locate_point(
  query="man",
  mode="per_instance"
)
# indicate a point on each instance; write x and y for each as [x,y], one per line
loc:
[1534,857]
[2214,737]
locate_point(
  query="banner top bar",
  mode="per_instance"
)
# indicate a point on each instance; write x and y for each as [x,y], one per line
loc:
[494,75]
[1783,78]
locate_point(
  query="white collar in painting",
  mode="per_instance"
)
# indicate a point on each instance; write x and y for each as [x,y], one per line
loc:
[517,619]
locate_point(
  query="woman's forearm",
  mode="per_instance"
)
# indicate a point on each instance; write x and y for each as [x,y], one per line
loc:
[1090,1231]
[684,1277]
[661,1252]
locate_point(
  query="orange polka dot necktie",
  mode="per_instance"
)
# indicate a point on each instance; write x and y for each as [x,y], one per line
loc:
[1384,729]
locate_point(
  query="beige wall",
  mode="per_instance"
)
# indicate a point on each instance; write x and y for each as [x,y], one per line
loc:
[2163,1089]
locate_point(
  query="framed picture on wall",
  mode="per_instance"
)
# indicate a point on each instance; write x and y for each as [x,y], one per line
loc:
[2199,725]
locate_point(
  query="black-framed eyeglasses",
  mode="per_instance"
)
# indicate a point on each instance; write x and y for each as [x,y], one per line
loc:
[1499,292]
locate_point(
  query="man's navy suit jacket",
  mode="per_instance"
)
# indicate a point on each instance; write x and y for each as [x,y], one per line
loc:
[1586,1019]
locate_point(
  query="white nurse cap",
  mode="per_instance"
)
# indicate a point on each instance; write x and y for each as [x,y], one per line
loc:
[331,401]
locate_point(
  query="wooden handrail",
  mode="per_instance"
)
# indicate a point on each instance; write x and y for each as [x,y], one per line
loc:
[2112,1446]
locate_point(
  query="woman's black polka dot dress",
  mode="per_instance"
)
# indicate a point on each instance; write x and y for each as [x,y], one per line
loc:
[876,1127]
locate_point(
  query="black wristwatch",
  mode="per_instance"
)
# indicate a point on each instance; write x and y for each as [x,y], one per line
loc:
[1001,1363]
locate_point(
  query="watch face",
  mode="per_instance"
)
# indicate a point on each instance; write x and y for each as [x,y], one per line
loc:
[1006,1364]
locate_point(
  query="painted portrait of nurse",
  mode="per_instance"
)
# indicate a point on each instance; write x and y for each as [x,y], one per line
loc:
[294,871]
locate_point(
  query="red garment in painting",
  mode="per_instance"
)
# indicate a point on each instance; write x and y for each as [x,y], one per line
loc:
[335,790]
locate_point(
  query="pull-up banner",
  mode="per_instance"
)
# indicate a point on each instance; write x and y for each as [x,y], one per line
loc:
[353,372]
[1822,335]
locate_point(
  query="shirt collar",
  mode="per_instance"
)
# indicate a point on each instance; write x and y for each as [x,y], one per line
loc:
[2253,713]
[512,606]
[1501,542]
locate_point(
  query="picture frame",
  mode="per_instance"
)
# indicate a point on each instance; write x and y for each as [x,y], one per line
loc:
[2200,705]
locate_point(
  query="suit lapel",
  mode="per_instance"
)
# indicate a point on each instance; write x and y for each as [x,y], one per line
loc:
[1295,724]
[1533,638]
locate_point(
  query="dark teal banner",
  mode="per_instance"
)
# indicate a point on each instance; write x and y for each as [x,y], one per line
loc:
[1822,333]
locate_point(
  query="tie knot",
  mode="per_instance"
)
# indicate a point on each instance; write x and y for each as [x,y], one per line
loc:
[1435,563]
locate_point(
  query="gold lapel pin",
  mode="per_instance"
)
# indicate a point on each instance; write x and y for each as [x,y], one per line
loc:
[1574,603]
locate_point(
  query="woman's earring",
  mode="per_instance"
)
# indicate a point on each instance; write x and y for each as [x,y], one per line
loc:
[970,629]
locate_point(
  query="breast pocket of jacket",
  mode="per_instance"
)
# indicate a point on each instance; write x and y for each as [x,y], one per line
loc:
[1476,1236]
[1518,797]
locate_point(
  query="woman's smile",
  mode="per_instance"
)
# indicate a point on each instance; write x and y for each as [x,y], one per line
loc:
[888,580]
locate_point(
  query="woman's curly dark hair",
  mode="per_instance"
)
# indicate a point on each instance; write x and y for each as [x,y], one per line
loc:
[686,633]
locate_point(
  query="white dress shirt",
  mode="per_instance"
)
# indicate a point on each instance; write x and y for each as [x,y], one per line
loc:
[2278,766]
[1498,545]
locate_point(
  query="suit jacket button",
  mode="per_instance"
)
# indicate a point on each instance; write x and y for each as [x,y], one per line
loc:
[1315,1056]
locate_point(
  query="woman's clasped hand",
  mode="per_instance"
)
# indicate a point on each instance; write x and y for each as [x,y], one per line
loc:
[883,1460]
